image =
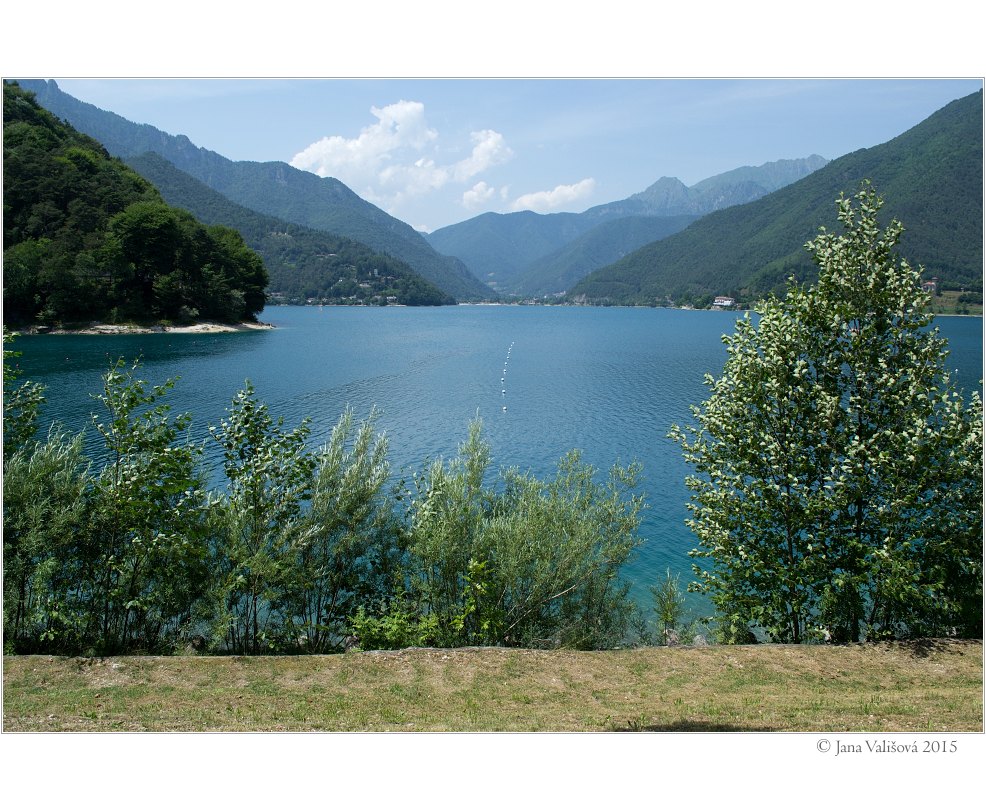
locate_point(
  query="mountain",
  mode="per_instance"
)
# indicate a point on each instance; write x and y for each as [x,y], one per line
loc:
[303,263]
[499,247]
[931,178]
[606,243]
[670,197]
[273,188]
[86,238]
[521,252]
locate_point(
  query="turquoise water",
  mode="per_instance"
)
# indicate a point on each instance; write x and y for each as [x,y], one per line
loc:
[610,381]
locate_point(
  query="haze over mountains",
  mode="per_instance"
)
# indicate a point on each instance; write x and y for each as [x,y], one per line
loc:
[536,254]
[739,233]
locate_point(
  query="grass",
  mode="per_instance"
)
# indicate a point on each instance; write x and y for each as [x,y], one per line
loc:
[947,303]
[932,686]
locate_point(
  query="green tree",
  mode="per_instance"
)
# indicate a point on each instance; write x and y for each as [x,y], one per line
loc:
[348,552]
[45,518]
[148,555]
[839,483]
[669,604]
[258,525]
[146,235]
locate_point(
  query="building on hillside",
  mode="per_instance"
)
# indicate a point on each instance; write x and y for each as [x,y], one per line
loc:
[930,287]
[724,301]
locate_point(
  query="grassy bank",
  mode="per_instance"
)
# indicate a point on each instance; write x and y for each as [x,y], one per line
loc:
[933,686]
[949,303]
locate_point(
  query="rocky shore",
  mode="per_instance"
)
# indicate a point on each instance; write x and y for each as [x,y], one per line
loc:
[136,329]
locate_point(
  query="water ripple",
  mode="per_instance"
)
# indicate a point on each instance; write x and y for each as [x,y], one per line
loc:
[609,381]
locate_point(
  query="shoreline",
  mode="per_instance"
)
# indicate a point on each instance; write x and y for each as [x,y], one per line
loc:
[201,327]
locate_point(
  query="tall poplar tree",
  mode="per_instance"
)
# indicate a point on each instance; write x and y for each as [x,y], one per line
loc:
[838,486]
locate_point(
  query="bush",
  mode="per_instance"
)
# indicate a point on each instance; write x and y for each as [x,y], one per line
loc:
[531,563]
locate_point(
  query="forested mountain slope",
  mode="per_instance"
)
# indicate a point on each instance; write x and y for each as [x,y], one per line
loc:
[304,264]
[930,176]
[86,238]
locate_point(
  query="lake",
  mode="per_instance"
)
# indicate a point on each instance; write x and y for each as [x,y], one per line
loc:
[610,381]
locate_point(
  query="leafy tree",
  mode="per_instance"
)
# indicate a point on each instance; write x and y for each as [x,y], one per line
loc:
[839,486]
[45,518]
[669,604]
[348,553]
[258,525]
[148,555]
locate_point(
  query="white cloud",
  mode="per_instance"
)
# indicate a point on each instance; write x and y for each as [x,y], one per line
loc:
[418,178]
[559,197]
[400,127]
[392,160]
[489,149]
[478,195]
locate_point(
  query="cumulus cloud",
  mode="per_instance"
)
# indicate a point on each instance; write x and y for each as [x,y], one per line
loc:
[393,160]
[557,198]
[416,178]
[489,149]
[478,195]
[399,127]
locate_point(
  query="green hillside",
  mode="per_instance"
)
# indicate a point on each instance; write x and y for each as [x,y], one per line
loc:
[931,177]
[273,188]
[86,238]
[304,264]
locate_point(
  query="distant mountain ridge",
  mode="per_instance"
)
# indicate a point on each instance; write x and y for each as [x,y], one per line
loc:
[530,254]
[670,197]
[931,177]
[273,188]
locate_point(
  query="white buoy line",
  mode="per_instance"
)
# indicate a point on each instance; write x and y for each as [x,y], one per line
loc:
[503,379]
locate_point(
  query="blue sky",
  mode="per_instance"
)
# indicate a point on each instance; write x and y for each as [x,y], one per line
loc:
[436,152]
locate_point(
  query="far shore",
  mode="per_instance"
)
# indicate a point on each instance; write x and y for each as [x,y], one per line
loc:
[138,329]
